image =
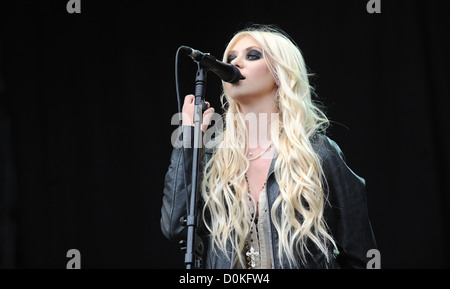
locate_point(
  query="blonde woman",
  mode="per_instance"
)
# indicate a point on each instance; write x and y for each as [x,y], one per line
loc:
[275,191]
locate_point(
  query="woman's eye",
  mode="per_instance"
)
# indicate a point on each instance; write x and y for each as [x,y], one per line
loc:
[230,58]
[254,55]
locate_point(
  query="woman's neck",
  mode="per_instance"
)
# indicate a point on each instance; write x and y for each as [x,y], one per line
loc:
[258,116]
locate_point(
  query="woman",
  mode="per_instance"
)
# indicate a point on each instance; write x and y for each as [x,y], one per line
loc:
[275,191]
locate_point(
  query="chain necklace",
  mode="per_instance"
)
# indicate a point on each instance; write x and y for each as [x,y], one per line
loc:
[251,252]
[260,155]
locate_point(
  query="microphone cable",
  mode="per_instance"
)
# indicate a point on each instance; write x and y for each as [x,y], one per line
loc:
[180,128]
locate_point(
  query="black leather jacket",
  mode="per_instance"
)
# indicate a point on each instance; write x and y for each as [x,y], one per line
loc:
[345,214]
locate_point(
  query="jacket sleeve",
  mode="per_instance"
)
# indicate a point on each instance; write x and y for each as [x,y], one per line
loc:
[348,218]
[177,185]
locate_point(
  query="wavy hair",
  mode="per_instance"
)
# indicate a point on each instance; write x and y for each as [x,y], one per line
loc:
[297,213]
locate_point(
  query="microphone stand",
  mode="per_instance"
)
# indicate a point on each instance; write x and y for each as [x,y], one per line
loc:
[194,244]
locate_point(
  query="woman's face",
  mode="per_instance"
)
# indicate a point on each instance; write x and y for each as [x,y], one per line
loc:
[257,81]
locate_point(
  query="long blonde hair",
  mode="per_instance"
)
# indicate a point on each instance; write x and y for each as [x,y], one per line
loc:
[297,213]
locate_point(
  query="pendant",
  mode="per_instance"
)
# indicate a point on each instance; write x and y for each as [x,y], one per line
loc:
[252,253]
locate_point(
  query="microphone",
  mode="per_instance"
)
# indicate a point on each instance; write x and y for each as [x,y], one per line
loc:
[227,72]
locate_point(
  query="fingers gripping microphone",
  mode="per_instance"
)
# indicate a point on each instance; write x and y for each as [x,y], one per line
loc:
[227,72]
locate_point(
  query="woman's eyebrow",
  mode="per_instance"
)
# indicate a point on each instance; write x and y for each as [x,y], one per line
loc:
[246,49]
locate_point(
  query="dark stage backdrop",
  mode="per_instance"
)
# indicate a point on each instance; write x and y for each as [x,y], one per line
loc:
[86,102]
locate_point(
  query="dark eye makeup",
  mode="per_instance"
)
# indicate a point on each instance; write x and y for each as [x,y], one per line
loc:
[252,55]
[230,58]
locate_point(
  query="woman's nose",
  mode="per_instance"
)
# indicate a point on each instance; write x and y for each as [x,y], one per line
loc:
[237,62]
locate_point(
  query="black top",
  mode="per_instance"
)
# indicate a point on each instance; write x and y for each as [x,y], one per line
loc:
[345,212]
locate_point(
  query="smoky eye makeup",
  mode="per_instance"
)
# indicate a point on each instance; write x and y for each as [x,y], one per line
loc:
[253,55]
[230,58]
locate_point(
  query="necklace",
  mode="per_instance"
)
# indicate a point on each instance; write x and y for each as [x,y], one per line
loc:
[260,155]
[251,252]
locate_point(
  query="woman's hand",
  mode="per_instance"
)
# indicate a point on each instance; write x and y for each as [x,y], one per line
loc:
[188,112]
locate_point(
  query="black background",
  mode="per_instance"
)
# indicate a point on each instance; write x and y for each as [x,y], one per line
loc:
[86,102]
